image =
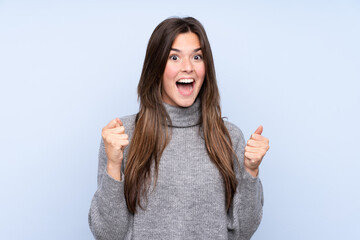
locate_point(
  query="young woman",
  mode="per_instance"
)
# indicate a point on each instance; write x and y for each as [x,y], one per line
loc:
[187,173]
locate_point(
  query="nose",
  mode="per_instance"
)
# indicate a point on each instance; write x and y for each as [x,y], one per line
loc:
[187,65]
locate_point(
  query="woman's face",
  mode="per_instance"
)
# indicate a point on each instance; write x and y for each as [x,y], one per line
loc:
[184,72]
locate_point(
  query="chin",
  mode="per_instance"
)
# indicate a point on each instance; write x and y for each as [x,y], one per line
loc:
[185,103]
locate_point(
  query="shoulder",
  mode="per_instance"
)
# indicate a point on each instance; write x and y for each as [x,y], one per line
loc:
[235,132]
[128,122]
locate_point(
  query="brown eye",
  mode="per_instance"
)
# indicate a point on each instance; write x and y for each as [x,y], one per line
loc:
[174,57]
[197,57]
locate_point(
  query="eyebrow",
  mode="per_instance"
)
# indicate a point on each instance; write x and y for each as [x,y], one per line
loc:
[177,50]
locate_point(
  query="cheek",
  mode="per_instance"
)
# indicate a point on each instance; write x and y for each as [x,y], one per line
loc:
[201,71]
[170,72]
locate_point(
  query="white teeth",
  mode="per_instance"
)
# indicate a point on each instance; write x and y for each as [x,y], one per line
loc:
[186,80]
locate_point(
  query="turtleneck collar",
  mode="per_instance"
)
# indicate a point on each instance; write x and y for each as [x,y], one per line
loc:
[184,116]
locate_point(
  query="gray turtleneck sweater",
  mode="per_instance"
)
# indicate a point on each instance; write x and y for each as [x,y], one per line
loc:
[188,201]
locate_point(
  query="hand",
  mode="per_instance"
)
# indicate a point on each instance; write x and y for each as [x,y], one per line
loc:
[255,150]
[115,141]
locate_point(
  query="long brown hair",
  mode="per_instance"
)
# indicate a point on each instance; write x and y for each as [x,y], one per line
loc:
[151,134]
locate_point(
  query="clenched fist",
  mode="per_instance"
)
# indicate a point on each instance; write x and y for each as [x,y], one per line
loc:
[255,150]
[115,141]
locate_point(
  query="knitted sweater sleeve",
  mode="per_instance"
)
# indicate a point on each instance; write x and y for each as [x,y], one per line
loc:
[245,213]
[109,217]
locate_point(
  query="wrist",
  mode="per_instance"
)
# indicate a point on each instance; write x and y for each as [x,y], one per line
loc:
[114,170]
[253,172]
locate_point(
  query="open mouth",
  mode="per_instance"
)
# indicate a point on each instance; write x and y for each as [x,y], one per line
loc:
[185,86]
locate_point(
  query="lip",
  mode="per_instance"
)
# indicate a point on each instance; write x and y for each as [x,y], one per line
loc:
[192,90]
[186,78]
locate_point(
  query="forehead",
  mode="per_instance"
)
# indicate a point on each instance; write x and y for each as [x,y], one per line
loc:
[186,40]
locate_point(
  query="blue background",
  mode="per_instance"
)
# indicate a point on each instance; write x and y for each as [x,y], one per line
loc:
[68,67]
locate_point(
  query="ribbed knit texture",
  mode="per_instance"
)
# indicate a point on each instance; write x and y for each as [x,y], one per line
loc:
[188,201]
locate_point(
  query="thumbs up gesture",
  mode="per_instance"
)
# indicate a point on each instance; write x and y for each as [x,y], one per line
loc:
[115,141]
[255,150]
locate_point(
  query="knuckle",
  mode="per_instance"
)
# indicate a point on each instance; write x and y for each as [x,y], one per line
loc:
[107,138]
[103,132]
[115,143]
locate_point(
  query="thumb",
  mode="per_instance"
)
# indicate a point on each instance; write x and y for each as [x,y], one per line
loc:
[259,130]
[118,122]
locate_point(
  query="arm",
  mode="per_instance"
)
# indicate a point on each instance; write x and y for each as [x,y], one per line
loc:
[244,216]
[109,217]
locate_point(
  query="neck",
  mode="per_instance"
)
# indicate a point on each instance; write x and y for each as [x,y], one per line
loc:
[184,116]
